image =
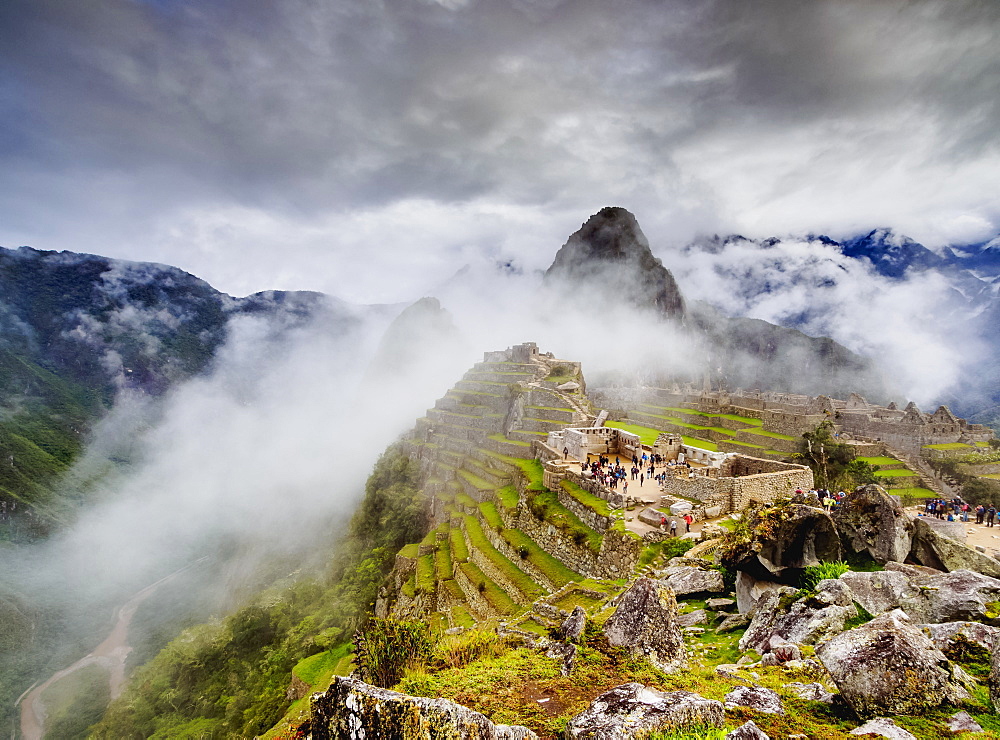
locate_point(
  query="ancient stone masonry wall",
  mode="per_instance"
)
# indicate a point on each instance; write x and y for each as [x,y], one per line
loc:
[615,499]
[742,465]
[559,545]
[768,487]
[734,493]
[491,571]
[481,608]
[584,513]
[981,469]
[792,424]
[523,563]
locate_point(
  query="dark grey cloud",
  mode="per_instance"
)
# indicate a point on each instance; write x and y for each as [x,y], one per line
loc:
[130,125]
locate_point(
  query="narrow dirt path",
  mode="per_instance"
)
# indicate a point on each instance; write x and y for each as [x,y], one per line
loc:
[110,654]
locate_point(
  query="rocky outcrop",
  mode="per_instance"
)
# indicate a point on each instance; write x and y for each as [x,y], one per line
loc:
[962,640]
[963,722]
[698,616]
[787,539]
[573,626]
[353,709]
[802,622]
[809,691]
[645,623]
[883,727]
[873,522]
[756,698]
[749,591]
[993,681]
[748,731]
[611,255]
[951,597]
[880,591]
[888,667]
[692,580]
[565,652]
[935,550]
[632,709]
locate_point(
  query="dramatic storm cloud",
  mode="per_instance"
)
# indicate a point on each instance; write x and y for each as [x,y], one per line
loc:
[369,149]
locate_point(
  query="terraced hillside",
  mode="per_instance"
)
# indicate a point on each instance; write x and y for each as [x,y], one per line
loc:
[727,432]
[502,545]
[716,432]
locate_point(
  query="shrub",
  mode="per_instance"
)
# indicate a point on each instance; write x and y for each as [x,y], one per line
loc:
[386,648]
[813,574]
[455,651]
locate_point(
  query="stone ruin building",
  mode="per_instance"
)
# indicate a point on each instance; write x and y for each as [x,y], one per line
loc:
[856,421]
[713,483]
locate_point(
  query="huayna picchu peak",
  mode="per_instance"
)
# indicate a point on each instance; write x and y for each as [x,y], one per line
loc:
[610,256]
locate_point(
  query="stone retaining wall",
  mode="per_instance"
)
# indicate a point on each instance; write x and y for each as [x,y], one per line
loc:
[579,558]
[491,571]
[497,540]
[980,468]
[597,522]
[480,607]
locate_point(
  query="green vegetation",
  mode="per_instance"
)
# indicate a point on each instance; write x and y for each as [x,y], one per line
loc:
[545,506]
[495,595]
[476,481]
[533,471]
[507,497]
[813,574]
[318,668]
[549,566]
[703,444]
[229,678]
[459,550]
[501,438]
[385,648]
[949,446]
[490,515]
[647,435]
[833,463]
[895,473]
[772,435]
[599,505]
[425,575]
[880,460]
[501,562]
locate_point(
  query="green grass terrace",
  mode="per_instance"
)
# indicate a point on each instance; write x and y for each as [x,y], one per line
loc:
[648,435]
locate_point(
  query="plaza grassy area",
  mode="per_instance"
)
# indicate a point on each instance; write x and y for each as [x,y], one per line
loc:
[879,460]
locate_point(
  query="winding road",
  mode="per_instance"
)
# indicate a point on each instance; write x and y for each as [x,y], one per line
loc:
[110,654]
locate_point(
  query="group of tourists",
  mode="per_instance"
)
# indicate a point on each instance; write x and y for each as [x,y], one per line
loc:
[827,499]
[956,509]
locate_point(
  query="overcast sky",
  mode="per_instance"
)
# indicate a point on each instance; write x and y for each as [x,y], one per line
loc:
[370,148]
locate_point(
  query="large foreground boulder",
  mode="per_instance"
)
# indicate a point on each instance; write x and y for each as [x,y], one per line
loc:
[888,666]
[645,623]
[935,550]
[685,579]
[786,539]
[959,596]
[880,591]
[353,709]
[777,619]
[964,640]
[632,709]
[871,521]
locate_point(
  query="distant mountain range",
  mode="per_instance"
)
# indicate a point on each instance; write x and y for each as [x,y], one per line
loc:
[919,311]
[78,329]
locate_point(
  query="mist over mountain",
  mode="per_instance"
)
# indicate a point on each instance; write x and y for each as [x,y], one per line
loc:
[928,317]
[237,432]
